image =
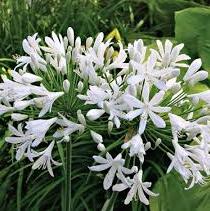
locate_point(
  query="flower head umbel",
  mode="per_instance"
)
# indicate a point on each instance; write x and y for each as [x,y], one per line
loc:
[45,159]
[66,95]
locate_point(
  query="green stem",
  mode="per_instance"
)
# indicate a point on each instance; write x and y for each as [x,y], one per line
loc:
[68,175]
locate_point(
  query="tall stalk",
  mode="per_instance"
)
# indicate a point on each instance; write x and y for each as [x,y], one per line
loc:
[68,176]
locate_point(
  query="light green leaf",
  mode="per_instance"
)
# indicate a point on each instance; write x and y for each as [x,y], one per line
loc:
[193,29]
[174,197]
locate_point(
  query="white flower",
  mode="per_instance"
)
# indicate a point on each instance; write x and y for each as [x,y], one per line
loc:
[137,51]
[45,159]
[183,162]
[148,73]
[68,127]
[26,78]
[147,108]
[55,45]
[169,56]
[96,137]
[46,101]
[136,146]
[39,128]
[137,186]
[115,165]
[193,75]
[31,47]
[95,95]
[23,142]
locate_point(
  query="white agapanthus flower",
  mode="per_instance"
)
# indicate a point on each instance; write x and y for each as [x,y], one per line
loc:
[169,56]
[115,165]
[44,161]
[137,187]
[147,108]
[125,93]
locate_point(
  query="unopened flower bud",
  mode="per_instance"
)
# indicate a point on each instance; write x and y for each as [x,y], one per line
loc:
[96,137]
[101,147]
[147,146]
[158,142]
[18,117]
[81,117]
[78,42]
[66,138]
[80,86]
[134,169]
[110,126]
[66,85]
[89,42]
[70,35]
[65,41]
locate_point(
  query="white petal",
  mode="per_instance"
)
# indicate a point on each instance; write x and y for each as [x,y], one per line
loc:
[132,101]
[131,194]
[99,159]
[133,114]
[143,123]
[108,180]
[142,196]
[157,120]
[99,167]
[157,98]
[119,187]
[194,67]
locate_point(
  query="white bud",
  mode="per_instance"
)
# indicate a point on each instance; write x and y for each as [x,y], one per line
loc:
[70,35]
[38,102]
[101,147]
[66,138]
[96,137]
[147,146]
[21,105]
[98,40]
[158,142]
[30,78]
[65,41]
[18,117]
[89,42]
[110,126]
[78,42]
[109,53]
[134,169]
[68,56]
[80,86]
[190,116]
[81,117]
[126,145]
[66,85]
[94,114]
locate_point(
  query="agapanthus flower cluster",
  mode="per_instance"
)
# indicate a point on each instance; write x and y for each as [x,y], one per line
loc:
[61,85]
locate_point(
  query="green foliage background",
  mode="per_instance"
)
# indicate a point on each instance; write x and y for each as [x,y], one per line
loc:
[180,20]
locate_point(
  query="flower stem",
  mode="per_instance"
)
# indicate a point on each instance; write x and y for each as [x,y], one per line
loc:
[68,175]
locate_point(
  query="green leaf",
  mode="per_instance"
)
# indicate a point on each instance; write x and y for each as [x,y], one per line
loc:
[193,29]
[174,197]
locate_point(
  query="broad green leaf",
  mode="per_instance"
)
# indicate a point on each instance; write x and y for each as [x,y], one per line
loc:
[193,29]
[174,197]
